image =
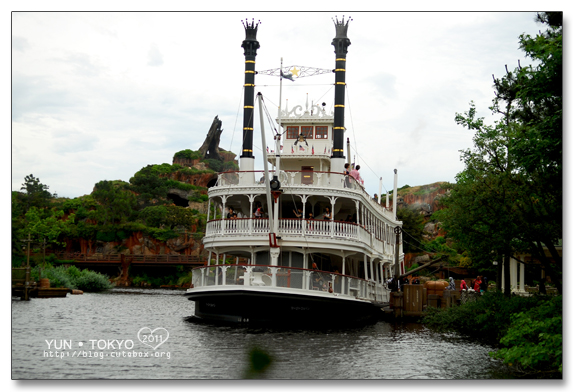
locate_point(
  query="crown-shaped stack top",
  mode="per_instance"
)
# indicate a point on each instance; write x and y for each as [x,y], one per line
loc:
[251,29]
[341,27]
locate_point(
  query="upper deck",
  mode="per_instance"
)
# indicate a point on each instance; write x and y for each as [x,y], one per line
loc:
[310,183]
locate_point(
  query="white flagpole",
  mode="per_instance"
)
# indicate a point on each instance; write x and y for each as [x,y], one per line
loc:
[278,134]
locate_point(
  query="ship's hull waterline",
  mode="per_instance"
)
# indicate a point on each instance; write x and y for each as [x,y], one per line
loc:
[258,307]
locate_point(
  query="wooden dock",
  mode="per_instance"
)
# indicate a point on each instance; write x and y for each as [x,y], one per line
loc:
[40,292]
[414,300]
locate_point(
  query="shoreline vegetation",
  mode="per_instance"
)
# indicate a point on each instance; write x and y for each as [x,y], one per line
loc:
[527,331]
[63,273]
[72,278]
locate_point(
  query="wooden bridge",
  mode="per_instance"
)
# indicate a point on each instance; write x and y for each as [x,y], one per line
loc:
[119,259]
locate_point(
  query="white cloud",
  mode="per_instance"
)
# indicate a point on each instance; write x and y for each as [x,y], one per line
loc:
[100,95]
[155,58]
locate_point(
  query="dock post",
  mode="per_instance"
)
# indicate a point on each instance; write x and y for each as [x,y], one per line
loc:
[27,276]
[397,300]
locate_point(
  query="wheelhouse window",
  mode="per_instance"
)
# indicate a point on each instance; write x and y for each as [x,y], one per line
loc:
[321,132]
[307,132]
[292,132]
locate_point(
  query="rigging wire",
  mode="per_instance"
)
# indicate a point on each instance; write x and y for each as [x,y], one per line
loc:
[270,121]
[237,116]
[327,91]
[419,242]
[364,162]
[355,139]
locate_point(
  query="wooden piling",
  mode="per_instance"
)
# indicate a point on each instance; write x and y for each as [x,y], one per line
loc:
[397,302]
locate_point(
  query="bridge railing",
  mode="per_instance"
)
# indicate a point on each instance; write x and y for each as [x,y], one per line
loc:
[117,258]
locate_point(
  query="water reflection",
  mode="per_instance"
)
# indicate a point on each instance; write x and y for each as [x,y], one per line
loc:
[207,351]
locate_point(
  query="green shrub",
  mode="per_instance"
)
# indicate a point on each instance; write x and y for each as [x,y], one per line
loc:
[57,275]
[488,317]
[91,281]
[534,341]
[185,279]
[214,164]
[188,154]
[106,236]
[198,198]
[162,234]
[121,234]
[18,261]
[171,184]
[73,278]
[74,272]
[230,166]
[528,330]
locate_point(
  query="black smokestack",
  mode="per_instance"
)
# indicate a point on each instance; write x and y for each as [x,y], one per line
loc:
[340,43]
[250,45]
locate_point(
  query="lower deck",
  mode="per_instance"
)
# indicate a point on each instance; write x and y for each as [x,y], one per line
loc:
[272,293]
[257,305]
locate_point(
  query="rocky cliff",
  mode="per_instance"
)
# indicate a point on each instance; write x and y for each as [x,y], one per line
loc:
[423,197]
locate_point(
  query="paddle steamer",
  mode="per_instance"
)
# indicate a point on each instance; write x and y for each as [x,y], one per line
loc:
[309,244]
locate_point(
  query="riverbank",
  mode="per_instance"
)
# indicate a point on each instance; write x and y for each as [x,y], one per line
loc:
[526,330]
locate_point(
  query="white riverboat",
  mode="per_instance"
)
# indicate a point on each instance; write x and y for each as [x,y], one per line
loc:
[323,249]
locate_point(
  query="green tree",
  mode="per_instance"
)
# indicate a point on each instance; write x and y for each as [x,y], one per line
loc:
[36,193]
[508,198]
[168,216]
[116,204]
[150,187]
[46,224]
[535,96]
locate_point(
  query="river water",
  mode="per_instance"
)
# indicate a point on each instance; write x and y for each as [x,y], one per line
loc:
[147,334]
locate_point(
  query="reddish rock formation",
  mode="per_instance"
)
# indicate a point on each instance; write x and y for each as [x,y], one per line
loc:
[185,162]
[200,179]
[426,197]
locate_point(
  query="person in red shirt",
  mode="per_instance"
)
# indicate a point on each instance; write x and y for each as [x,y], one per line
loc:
[463,285]
[477,284]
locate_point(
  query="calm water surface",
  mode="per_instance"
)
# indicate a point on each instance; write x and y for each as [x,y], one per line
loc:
[85,332]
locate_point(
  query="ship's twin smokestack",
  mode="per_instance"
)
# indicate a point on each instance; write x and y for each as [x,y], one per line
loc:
[251,45]
[340,43]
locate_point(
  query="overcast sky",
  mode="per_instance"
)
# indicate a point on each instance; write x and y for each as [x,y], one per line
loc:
[98,96]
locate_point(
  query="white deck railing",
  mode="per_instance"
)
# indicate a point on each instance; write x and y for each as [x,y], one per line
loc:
[292,178]
[229,228]
[288,277]
[309,227]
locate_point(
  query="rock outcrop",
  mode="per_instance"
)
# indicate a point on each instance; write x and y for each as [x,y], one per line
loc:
[210,148]
[424,197]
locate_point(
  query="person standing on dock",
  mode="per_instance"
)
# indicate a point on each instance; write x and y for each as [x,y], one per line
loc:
[463,286]
[477,284]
